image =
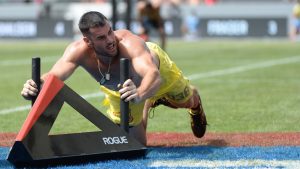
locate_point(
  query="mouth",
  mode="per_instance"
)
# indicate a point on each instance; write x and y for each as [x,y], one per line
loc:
[111,47]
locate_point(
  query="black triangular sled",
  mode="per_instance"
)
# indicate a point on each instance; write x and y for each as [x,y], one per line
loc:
[33,146]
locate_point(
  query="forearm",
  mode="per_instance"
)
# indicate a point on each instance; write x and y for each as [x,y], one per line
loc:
[149,85]
[43,77]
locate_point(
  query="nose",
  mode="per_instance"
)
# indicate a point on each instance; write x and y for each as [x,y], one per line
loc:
[110,39]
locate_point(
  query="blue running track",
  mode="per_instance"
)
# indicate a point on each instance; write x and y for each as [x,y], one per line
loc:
[199,157]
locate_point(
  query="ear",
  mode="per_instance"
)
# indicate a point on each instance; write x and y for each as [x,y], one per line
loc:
[88,41]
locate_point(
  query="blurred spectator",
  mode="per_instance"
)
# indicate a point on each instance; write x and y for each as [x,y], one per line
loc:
[38,1]
[46,11]
[93,1]
[295,27]
[191,20]
[210,2]
[150,18]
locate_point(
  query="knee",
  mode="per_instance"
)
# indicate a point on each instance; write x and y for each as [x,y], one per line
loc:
[194,100]
[139,133]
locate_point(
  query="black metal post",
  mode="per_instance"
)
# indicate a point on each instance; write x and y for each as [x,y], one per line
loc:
[114,14]
[128,14]
[36,75]
[124,75]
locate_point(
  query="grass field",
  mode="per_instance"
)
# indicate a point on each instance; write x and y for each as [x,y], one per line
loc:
[245,85]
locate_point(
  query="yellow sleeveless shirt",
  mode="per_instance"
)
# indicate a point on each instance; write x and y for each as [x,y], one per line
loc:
[169,73]
[296,10]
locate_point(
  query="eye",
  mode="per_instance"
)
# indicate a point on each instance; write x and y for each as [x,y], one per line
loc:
[110,31]
[100,37]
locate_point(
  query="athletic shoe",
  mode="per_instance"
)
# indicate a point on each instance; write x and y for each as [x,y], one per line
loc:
[198,121]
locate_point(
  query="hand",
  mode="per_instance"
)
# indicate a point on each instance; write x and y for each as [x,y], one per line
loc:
[29,89]
[129,92]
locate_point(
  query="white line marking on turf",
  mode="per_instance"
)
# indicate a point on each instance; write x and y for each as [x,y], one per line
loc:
[225,163]
[27,61]
[27,107]
[244,68]
[232,70]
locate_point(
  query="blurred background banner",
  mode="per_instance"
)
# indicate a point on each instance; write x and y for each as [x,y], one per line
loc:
[189,19]
[46,28]
[243,27]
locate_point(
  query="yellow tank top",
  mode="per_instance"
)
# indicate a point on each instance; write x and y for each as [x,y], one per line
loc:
[169,73]
[296,10]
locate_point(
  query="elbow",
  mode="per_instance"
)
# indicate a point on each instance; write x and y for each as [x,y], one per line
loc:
[158,79]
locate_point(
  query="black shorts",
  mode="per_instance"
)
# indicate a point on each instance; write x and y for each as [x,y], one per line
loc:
[150,24]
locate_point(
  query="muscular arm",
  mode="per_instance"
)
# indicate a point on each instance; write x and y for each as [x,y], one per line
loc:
[144,65]
[66,65]
[63,68]
[146,68]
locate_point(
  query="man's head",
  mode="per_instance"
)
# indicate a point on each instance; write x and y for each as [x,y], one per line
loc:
[98,33]
[91,19]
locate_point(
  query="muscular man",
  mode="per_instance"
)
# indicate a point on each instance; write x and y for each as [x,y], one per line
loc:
[154,78]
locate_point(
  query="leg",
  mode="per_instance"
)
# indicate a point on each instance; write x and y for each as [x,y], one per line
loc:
[162,35]
[293,33]
[139,133]
[147,106]
[198,118]
[193,102]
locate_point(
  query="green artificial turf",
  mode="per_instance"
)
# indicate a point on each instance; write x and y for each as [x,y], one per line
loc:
[262,99]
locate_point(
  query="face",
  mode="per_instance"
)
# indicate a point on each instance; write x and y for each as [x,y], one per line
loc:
[103,41]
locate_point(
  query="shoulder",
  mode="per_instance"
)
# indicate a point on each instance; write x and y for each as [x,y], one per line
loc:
[129,40]
[77,46]
[75,51]
[123,33]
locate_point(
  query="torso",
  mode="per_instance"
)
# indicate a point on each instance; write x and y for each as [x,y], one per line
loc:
[89,62]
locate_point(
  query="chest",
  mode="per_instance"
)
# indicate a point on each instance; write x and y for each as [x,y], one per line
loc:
[108,76]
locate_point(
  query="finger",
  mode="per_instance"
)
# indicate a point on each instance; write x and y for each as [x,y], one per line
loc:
[123,90]
[128,88]
[124,95]
[128,82]
[129,93]
[131,97]
[119,86]
[25,95]
[32,93]
[30,88]
[31,83]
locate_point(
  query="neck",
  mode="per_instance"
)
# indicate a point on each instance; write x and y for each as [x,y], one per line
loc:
[104,59]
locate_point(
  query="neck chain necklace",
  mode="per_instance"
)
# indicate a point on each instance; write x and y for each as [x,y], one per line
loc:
[107,74]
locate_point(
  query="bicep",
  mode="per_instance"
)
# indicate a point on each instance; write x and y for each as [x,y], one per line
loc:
[140,55]
[144,62]
[63,68]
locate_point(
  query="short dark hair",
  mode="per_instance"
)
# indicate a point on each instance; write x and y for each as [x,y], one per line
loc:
[90,20]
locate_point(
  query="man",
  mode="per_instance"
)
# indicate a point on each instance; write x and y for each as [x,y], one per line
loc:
[295,27]
[150,18]
[154,78]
